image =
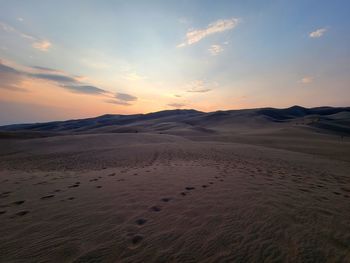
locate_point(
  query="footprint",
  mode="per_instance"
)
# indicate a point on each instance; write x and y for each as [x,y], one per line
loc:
[74,185]
[189,188]
[155,209]
[211,183]
[71,198]
[2,212]
[166,199]
[141,221]
[136,239]
[21,213]
[93,180]
[47,196]
[99,186]
[113,174]
[183,193]
[18,202]
[5,194]
[204,186]
[345,189]
[120,180]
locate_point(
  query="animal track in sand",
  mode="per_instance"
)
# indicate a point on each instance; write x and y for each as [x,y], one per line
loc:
[2,212]
[166,199]
[113,174]
[141,221]
[5,194]
[19,202]
[98,186]
[183,193]
[47,197]
[71,198]
[189,188]
[93,180]
[136,240]
[204,186]
[77,184]
[21,213]
[155,209]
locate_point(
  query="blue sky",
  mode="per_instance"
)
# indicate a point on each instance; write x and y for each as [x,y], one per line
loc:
[71,59]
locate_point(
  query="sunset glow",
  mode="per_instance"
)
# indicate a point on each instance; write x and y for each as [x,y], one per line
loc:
[74,59]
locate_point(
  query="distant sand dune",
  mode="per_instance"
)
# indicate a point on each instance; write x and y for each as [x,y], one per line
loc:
[248,192]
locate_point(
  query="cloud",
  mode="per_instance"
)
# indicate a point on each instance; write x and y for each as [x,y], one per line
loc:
[215,49]
[133,76]
[37,43]
[177,105]
[118,102]
[195,35]
[198,86]
[122,99]
[318,33]
[43,45]
[85,89]
[307,80]
[10,78]
[44,68]
[54,77]
[177,95]
[125,97]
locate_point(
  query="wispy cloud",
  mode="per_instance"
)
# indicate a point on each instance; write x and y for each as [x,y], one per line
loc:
[318,33]
[122,99]
[177,105]
[85,89]
[307,80]
[134,76]
[195,35]
[198,86]
[45,69]
[36,42]
[215,49]
[43,45]
[125,97]
[11,77]
[54,77]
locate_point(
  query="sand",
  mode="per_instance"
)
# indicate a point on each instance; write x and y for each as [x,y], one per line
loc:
[273,197]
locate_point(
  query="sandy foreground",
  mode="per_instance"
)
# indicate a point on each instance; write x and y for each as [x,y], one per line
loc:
[164,198]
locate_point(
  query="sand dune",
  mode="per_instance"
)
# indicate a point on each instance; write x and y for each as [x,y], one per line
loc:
[264,191]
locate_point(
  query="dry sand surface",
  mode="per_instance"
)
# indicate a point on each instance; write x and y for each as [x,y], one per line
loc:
[166,198]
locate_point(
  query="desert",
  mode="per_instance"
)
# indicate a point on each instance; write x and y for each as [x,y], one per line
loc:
[178,186]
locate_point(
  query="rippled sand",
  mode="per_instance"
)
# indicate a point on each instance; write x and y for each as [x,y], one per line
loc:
[162,198]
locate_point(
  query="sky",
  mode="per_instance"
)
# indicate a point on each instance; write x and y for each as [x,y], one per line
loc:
[75,59]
